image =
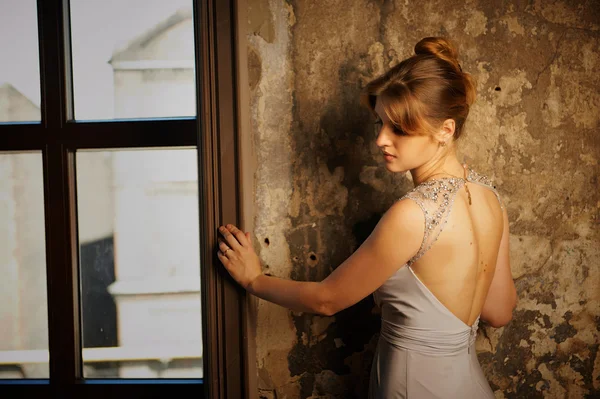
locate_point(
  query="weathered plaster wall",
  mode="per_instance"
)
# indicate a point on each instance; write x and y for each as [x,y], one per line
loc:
[321,186]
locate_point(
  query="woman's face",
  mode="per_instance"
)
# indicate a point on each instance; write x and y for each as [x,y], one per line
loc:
[401,151]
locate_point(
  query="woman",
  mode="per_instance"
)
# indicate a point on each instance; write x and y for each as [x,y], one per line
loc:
[438,260]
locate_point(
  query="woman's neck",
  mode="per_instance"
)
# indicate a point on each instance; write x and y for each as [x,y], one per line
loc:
[448,166]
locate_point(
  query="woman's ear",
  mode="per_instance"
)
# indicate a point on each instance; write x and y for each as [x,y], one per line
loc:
[447,130]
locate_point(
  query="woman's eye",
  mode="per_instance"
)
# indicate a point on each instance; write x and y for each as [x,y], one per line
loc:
[377,126]
[399,131]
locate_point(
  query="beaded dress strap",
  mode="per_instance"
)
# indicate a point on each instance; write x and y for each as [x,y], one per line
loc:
[435,198]
[482,180]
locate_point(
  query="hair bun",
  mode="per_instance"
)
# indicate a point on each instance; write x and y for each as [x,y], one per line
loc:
[443,48]
[439,47]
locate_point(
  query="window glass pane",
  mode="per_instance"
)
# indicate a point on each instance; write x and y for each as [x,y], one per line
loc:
[140,263]
[20,66]
[23,304]
[133,58]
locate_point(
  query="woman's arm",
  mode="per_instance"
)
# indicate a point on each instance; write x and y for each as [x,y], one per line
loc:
[396,238]
[238,256]
[502,295]
[299,296]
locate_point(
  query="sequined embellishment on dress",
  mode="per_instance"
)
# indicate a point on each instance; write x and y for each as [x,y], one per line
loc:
[436,197]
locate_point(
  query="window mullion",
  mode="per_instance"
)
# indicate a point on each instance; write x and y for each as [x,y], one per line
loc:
[130,134]
[22,137]
[59,200]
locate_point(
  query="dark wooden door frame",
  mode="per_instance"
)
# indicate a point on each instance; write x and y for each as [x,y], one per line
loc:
[219,105]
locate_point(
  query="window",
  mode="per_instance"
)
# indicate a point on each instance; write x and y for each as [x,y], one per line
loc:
[140,304]
[141,67]
[113,188]
[23,314]
[19,69]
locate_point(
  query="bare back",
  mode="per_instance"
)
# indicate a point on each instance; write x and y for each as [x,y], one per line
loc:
[459,255]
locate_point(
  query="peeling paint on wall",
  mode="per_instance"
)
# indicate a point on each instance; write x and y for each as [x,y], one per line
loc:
[321,188]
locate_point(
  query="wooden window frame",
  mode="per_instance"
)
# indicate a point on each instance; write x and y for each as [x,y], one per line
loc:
[215,133]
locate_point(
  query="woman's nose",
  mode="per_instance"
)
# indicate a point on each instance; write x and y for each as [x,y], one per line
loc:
[382,139]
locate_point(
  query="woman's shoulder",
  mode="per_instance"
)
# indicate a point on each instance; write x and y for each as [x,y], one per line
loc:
[477,177]
[486,181]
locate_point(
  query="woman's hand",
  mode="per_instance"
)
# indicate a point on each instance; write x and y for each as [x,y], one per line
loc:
[237,255]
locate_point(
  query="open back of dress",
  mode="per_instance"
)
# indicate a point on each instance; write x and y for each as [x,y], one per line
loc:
[430,307]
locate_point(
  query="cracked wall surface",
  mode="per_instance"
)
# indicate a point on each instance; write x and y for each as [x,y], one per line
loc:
[321,186]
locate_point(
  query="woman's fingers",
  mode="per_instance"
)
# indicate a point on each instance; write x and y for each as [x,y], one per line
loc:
[232,241]
[224,260]
[239,235]
[223,247]
[234,236]
[237,255]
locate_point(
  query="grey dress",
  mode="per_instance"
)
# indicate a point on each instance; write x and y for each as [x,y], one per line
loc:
[424,350]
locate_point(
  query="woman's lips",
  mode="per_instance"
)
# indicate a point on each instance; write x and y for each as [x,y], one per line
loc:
[388,157]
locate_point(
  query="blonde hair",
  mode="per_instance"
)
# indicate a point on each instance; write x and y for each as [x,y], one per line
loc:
[421,92]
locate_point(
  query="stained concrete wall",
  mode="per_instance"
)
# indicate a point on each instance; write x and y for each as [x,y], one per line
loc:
[320,185]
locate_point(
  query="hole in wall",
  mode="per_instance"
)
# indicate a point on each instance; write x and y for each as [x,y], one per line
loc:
[267,242]
[498,88]
[312,259]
